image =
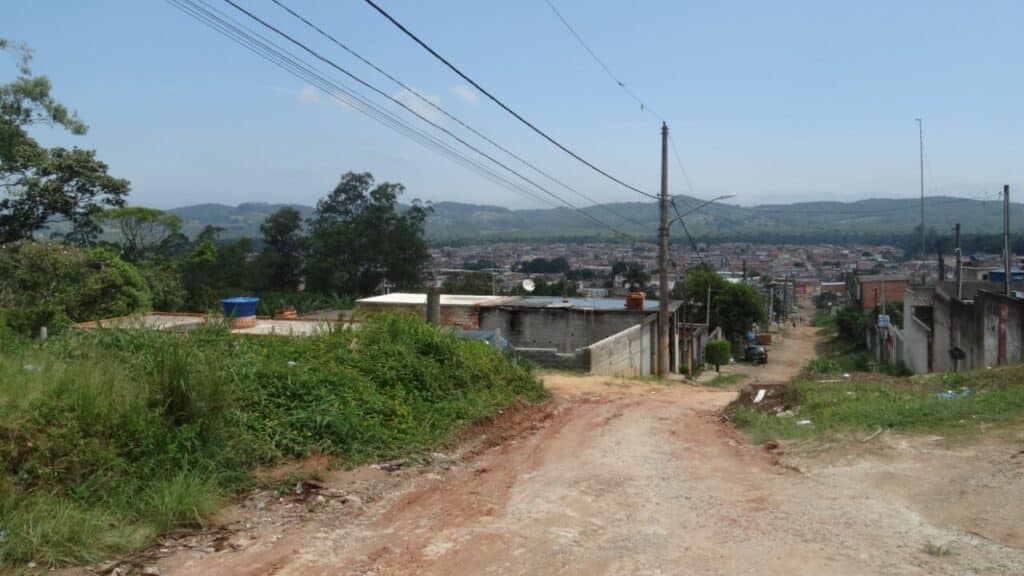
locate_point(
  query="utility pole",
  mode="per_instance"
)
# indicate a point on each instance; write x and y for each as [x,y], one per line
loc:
[920,140]
[707,311]
[959,286]
[1006,239]
[663,328]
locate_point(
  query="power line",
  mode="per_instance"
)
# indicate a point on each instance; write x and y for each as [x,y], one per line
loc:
[409,109]
[505,107]
[607,70]
[271,52]
[291,64]
[435,106]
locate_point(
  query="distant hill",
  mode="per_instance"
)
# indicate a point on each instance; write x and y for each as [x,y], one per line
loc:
[819,221]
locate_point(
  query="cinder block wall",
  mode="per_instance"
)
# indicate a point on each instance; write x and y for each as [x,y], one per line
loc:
[627,353]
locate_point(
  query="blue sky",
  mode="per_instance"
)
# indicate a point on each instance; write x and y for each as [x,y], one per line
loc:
[774,101]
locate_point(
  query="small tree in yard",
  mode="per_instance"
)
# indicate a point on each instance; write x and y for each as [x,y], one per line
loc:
[717,352]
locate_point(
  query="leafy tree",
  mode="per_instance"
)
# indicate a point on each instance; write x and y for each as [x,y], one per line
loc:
[851,324]
[199,276]
[636,276]
[717,352]
[53,285]
[163,276]
[557,265]
[47,185]
[358,238]
[283,255]
[734,307]
[143,230]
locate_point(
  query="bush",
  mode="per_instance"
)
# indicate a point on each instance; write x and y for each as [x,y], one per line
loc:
[110,437]
[717,352]
[54,285]
[824,366]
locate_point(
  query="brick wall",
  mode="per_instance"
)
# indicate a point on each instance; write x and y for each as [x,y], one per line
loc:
[871,293]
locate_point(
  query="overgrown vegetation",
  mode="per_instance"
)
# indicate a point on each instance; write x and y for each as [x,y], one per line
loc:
[879,402]
[112,437]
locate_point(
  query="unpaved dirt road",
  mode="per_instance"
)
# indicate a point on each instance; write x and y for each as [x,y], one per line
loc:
[628,477]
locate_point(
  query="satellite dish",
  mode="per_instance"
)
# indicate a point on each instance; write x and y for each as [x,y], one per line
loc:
[528,285]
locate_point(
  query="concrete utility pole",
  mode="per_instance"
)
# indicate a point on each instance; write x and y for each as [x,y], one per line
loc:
[663,328]
[920,140]
[707,311]
[959,286]
[1006,239]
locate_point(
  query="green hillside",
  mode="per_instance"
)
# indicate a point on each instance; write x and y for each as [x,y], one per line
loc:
[818,221]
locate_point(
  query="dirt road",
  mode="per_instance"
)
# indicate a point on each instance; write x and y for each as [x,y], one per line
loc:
[634,478]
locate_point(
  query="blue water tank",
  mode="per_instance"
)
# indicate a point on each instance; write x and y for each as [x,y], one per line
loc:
[240,307]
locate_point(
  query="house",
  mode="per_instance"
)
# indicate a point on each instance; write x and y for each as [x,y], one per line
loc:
[870,290]
[943,333]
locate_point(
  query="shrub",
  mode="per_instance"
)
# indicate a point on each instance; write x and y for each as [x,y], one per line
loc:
[717,352]
[824,366]
[55,285]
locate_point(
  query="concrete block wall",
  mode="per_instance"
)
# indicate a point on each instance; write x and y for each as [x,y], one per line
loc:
[627,353]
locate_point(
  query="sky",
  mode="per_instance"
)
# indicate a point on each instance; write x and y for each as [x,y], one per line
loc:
[775,102]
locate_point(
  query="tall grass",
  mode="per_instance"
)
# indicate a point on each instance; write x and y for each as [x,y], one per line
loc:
[109,438]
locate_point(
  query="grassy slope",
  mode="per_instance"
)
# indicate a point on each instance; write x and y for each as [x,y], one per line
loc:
[869,402]
[110,438]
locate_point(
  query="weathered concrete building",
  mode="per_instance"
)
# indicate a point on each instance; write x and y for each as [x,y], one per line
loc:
[596,335]
[942,333]
[460,311]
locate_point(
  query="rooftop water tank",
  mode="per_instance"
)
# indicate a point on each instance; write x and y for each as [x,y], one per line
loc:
[241,311]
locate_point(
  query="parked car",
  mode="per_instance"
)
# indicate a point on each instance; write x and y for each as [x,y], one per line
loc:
[756,354]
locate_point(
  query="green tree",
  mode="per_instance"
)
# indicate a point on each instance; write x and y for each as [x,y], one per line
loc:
[199,276]
[636,277]
[734,307]
[358,238]
[42,186]
[851,324]
[54,285]
[142,230]
[283,256]
[717,352]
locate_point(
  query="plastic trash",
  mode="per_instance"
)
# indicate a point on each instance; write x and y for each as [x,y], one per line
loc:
[846,374]
[3,535]
[954,394]
[760,396]
[803,422]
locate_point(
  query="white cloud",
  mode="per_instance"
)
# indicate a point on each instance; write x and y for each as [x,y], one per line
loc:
[466,93]
[308,94]
[415,103]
